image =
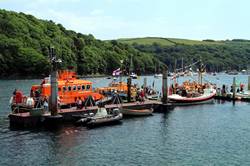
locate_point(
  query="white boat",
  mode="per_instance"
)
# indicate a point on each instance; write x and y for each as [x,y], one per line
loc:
[234,72]
[102,118]
[153,97]
[137,112]
[170,74]
[206,97]
[194,74]
[158,75]
[133,76]
[241,95]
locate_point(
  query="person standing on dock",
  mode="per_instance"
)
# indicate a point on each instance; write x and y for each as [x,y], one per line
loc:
[32,94]
[79,103]
[134,94]
[223,90]
[46,104]
[142,95]
[59,102]
[241,87]
[14,92]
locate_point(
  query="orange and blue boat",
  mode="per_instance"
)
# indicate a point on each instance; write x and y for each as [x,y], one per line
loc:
[70,88]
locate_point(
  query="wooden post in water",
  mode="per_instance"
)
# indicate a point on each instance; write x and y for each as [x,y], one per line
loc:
[53,83]
[165,86]
[55,119]
[234,87]
[129,89]
[248,83]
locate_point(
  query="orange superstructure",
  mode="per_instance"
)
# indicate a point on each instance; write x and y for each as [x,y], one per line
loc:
[69,88]
[118,87]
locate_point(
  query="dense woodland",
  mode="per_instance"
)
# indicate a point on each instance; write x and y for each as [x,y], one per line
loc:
[24,43]
[216,55]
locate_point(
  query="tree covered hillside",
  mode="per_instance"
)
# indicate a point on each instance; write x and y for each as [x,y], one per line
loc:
[24,42]
[217,55]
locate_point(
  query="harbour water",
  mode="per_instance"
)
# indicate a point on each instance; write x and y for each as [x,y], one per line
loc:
[213,134]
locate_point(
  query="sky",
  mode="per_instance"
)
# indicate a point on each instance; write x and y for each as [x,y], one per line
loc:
[112,19]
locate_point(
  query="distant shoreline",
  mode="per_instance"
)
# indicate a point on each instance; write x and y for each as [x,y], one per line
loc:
[15,77]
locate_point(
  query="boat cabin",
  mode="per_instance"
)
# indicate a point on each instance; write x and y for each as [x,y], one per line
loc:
[69,88]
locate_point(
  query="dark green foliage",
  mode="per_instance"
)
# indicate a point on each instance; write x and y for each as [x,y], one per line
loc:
[24,42]
[228,55]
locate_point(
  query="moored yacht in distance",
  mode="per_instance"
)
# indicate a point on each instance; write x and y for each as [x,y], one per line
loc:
[158,75]
[133,76]
[233,72]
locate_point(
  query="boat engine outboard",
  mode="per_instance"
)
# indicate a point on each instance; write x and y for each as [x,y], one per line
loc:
[116,111]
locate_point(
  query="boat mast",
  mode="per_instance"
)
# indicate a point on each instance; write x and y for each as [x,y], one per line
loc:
[182,65]
[175,71]
[121,71]
[131,65]
[200,71]
[129,80]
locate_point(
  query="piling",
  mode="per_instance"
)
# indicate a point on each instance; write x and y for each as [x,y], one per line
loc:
[129,89]
[165,86]
[55,118]
[53,83]
[234,87]
[248,83]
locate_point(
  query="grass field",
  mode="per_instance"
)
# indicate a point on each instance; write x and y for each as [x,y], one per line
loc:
[167,41]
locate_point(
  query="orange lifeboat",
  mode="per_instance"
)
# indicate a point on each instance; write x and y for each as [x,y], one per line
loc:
[69,88]
[118,87]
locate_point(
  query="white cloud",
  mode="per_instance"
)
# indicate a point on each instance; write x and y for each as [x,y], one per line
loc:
[99,25]
[40,4]
[96,12]
[109,1]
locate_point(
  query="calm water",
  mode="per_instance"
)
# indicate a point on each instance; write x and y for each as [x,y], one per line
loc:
[215,134]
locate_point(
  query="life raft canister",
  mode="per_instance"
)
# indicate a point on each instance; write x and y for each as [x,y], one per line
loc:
[30,102]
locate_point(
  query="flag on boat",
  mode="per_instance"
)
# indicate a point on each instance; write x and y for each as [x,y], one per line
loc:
[117,72]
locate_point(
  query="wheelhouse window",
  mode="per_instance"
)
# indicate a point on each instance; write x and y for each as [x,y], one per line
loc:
[69,88]
[83,87]
[78,87]
[74,88]
[64,89]
[88,87]
[59,89]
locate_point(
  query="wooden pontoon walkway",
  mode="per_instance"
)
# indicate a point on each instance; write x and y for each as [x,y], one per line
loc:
[27,120]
